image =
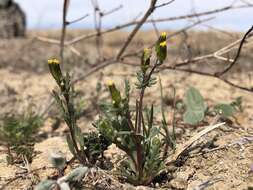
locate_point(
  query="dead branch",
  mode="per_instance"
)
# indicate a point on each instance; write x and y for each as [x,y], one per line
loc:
[247,34]
[150,10]
[77,20]
[64,25]
[135,22]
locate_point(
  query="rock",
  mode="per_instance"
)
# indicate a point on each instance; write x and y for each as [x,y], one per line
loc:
[44,149]
[12,20]
[179,183]
[181,179]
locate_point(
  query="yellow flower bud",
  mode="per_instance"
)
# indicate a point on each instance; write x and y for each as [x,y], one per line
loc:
[53,61]
[145,60]
[161,48]
[115,93]
[163,44]
[146,50]
[55,70]
[164,35]
[110,83]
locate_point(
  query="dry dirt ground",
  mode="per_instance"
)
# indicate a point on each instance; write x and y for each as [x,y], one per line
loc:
[224,163]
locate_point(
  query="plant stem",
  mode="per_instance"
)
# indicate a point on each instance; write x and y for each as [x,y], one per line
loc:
[145,84]
[71,125]
[140,122]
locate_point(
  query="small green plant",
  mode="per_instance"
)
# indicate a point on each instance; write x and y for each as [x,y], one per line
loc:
[228,110]
[87,148]
[66,182]
[95,145]
[17,134]
[196,109]
[145,144]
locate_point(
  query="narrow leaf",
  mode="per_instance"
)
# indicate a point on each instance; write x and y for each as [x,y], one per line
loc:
[70,145]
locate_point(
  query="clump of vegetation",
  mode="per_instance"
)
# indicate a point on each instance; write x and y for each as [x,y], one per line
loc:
[87,148]
[145,144]
[17,134]
[95,145]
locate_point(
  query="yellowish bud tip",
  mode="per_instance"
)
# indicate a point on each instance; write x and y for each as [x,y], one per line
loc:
[110,83]
[146,50]
[163,34]
[163,44]
[53,61]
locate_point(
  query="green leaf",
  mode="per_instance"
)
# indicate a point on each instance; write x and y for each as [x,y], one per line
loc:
[195,107]
[237,104]
[79,136]
[127,90]
[59,102]
[76,174]
[70,145]
[46,185]
[106,130]
[193,117]
[225,110]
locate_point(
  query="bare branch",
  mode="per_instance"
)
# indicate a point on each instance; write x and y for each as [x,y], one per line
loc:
[112,10]
[169,19]
[247,34]
[137,27]
[164,4]
[64,25]
[76,20]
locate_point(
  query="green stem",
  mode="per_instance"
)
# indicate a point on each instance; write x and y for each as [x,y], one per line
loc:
[139,148]
[71,125]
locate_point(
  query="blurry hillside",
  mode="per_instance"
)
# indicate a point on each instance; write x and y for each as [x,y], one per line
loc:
[31,53]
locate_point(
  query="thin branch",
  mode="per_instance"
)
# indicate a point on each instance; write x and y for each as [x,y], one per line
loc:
[112,10]
[76,20]
[156,29]
[98,25]
[137,27]
[103,64]
[64,25]
[177,68]
[100,65]
[164,4]
[247,34]
[171,35]
[131,23]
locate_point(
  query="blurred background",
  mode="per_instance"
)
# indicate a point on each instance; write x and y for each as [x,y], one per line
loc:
[47,13]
